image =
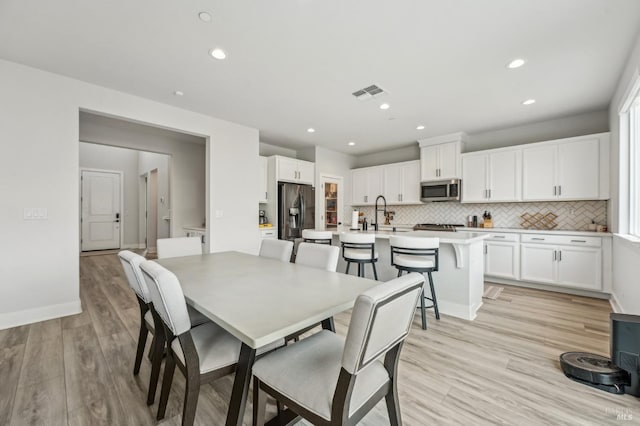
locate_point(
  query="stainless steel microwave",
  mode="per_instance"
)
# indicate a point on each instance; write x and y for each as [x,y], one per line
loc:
[441,190]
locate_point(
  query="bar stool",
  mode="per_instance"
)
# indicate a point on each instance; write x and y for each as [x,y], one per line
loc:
[360,249]
[417,254]
[317,237]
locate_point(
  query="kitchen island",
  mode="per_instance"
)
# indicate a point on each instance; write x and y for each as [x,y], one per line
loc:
[459,281]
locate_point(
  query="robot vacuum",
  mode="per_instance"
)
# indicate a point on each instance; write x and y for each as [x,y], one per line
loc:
[619,374]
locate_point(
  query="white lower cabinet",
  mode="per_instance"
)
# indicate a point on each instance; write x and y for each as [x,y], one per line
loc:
[502,256]
[571,265]
[579,262]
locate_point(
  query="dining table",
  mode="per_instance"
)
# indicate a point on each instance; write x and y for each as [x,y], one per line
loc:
[261,301]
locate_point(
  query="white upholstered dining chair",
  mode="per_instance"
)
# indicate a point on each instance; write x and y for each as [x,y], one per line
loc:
[180,246]
[319,256]
[276,249]
[149,323]
[330,380]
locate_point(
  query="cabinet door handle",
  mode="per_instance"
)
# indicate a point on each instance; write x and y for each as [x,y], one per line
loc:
[559,189]
[365,198]
[489,193]
[555,256]
[578,241]
[266,195]
[555,190]
[499,236]
[559,255]
[537,239]
[486,249]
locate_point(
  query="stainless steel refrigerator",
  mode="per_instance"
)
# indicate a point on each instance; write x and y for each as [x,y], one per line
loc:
[296,210]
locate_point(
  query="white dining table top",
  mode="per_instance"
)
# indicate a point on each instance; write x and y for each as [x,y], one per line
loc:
[261,300]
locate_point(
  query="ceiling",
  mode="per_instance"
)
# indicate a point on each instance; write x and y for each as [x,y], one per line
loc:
[292,65]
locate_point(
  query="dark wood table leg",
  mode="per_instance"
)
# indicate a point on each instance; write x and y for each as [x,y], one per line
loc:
[328,324]
[241,386]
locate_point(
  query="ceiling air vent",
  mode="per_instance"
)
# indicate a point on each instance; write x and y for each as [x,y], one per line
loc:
[368,92]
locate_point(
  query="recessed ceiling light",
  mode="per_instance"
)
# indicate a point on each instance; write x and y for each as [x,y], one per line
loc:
[516,63]
[351,143]
[204,16]
[529,102]
[178,93]
[311,130]
[420,127]
[384,106]
[218,53]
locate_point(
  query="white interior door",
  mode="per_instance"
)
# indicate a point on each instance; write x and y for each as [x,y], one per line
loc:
[100,203]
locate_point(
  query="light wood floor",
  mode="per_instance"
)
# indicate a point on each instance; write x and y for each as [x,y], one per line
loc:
[500,369]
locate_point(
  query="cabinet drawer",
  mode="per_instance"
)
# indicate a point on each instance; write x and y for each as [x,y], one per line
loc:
[269,233]
[503,236]
[573,240]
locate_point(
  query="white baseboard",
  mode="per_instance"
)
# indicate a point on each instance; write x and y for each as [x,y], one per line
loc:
[28,316]
[615,305]
[133,246]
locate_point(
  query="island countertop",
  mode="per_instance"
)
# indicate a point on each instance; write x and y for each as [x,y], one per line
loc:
[463,238]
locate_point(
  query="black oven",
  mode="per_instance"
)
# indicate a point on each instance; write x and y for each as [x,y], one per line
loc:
[441,190]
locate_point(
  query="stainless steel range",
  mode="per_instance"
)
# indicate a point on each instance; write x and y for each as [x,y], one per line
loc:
[437,227]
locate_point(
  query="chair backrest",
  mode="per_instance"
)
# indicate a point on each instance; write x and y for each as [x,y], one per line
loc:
[319,256]
[166,296]
[131,264]
[381,319]
[180,246]
[317,237]
[414,246]
[357,238]
[276,249]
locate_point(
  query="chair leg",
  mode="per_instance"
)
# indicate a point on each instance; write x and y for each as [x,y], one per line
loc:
[423,310]
[393,404]
[348,265]
[142,341]
[153,345]
[191,400]
[156,362]
[360,274]
[375,273]
[259,403]
[167,379]
[399,273]
[433,296]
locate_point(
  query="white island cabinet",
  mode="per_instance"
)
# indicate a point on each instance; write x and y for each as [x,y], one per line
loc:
[459,281]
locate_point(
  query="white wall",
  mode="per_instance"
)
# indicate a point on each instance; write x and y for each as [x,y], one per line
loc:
[557,128]
[39,132]
[267,150]
[626,255]
[126,161]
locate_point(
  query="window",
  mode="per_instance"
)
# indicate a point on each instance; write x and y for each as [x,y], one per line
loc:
[630,162]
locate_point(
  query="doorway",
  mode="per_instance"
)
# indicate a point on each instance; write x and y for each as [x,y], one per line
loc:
[151,210]
[100,201]
[332,193]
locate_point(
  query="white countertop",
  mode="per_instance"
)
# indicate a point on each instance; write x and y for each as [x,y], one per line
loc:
[445,237]
[538,231]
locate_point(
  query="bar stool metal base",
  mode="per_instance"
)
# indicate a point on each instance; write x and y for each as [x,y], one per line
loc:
[361,264]
[432,299]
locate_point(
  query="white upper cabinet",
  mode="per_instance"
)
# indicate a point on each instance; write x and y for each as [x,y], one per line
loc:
[440,157]
[263,195]
[568,169]
[366,185]
[296,171]
[402,182]
[491,176]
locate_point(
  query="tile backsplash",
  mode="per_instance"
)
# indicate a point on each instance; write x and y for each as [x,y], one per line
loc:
[572,215]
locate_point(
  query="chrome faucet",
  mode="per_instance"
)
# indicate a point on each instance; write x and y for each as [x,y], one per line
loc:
[375,225]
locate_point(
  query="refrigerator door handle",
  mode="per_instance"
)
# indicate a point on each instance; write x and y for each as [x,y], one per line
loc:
[302,211]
